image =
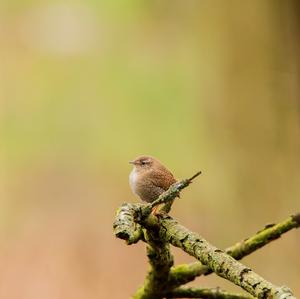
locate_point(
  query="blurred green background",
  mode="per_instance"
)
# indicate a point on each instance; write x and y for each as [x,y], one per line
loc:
[87,86]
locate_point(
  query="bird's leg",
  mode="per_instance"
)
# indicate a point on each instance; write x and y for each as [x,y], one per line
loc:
[158,211]
[154,210]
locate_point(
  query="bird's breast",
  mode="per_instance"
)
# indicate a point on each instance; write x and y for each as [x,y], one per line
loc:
[133,180]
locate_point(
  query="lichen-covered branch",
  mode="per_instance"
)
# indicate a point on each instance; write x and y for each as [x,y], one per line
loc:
[217,293]
[182,274]
[174,190]
[135,222]
[125,226]
[160,260]
[158,251]
[269,233]
[168,196]
[217,260]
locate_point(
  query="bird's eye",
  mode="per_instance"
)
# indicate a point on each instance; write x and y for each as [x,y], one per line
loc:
[145,162]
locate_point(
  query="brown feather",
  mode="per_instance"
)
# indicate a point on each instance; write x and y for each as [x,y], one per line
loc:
[150,178]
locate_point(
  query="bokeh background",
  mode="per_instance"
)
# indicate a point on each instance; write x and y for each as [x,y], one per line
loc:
[88,85]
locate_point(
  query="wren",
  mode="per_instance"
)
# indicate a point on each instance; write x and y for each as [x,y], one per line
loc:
[149,178]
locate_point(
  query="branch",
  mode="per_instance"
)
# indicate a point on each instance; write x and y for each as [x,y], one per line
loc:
[217,260]
[169,195]
[158,251]
[125,226]
[135,222]
[160,260]
[185,273]
[269,233]
[190,292]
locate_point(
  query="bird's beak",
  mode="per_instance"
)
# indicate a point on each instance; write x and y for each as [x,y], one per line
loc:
[132,162]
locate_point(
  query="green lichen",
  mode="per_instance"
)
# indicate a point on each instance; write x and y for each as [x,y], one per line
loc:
[242,248]
[191,292]
[135,222]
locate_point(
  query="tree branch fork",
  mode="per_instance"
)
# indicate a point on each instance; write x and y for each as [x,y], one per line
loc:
[135,222]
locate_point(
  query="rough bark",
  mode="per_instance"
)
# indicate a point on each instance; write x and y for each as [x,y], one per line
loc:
[217,260]
[190,292]
[135,222]
[182,274]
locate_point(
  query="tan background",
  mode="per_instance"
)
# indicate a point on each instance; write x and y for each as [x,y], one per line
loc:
[88,85]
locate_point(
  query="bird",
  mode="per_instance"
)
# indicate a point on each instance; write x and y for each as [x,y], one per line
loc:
[149,178]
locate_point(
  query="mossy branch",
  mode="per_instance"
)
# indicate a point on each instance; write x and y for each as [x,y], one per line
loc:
[168,196]
[269,233]
[158,250]
[160,260]
[191,292]
[182,274]
[125,226]
[135,221]
[217,260]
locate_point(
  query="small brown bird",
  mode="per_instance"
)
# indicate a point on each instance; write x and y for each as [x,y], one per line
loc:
[149,178]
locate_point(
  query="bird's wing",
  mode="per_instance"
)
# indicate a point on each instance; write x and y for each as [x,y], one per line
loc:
[162,179]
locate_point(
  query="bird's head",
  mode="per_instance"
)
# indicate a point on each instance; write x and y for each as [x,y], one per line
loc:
[144,162]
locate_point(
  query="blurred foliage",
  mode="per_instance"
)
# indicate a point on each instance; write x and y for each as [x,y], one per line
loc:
[88,85]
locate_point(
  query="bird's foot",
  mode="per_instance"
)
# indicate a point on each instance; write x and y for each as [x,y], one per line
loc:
[158,213]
